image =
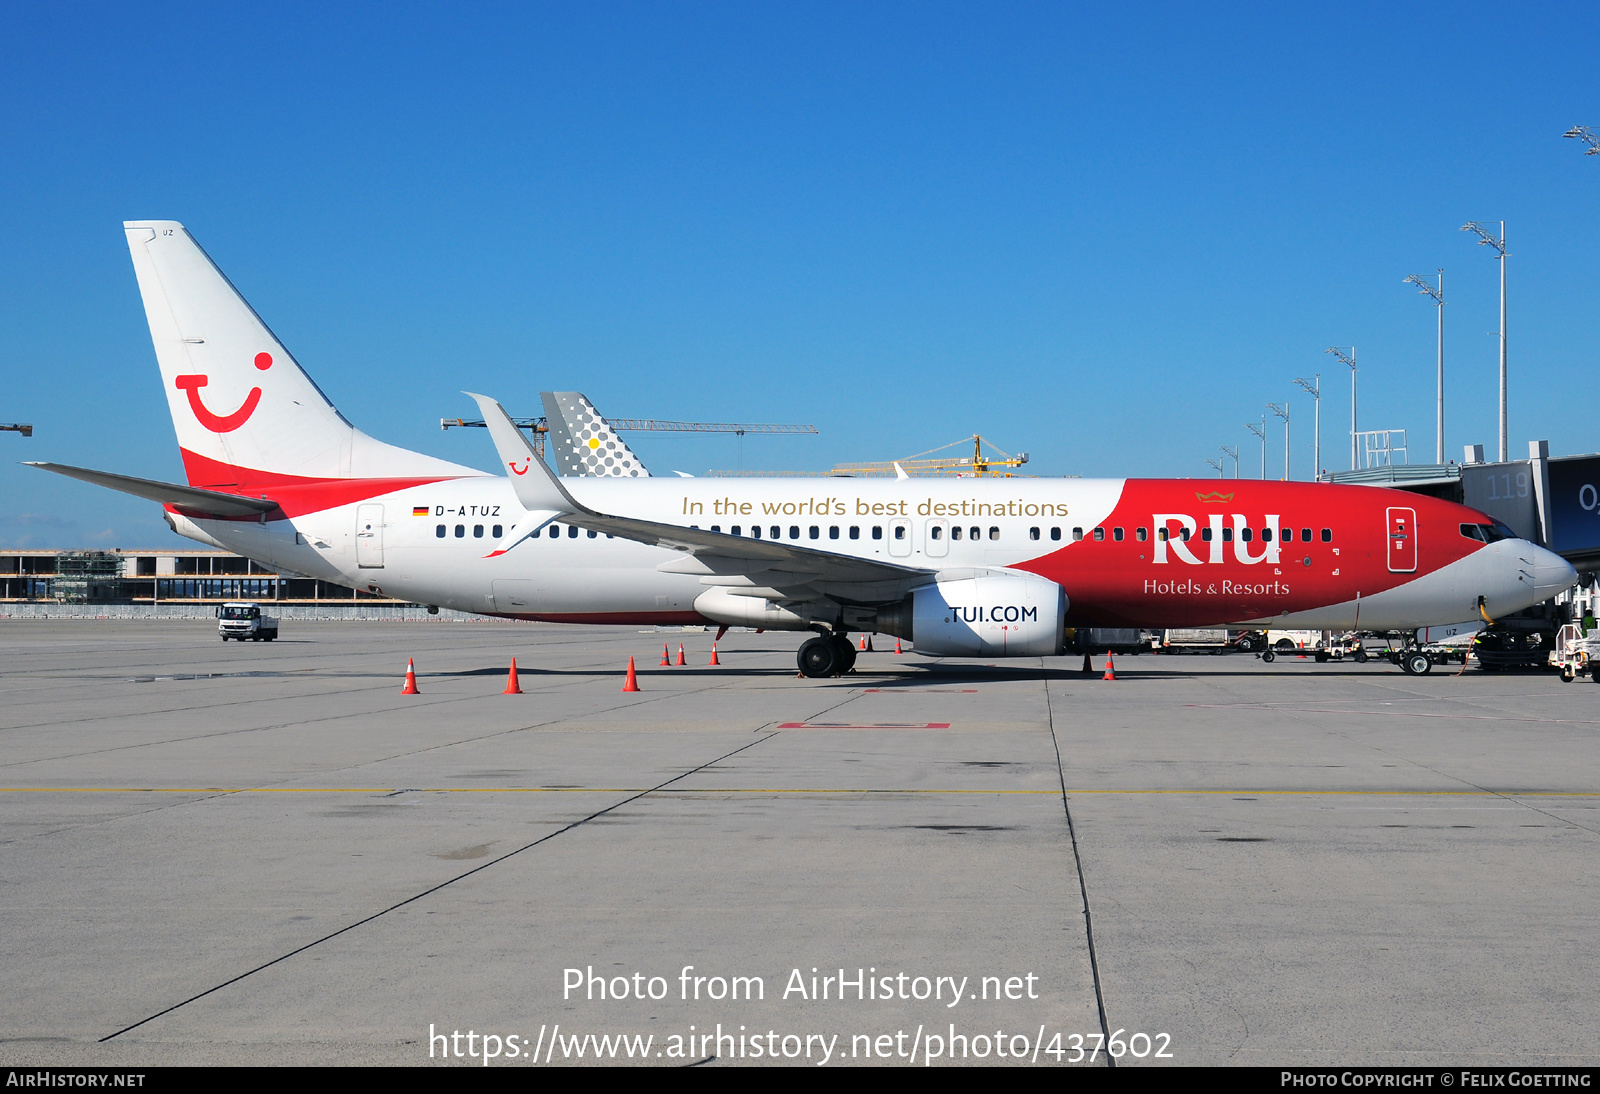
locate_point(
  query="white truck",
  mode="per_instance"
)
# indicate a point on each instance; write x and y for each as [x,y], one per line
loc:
[241,619]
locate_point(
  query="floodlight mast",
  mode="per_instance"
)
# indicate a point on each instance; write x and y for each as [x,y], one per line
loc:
[1586,135]
[1499,245]
[1283,412]
[1351,361]
[1314,386]
[1260,431]
[1218,465]
[1234,452]
[1438,299]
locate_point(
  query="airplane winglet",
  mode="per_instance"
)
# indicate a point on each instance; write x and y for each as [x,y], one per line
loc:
[539,492]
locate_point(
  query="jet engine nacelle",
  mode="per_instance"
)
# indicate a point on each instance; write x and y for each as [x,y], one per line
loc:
[989,615]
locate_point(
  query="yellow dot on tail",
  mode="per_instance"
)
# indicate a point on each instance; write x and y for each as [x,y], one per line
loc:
[594,442]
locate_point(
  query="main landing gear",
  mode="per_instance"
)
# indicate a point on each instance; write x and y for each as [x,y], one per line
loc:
[826,655]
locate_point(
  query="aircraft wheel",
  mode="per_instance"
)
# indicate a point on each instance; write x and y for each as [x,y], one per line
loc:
[818,657]
[1417,663]
[1269,657]
[845,654]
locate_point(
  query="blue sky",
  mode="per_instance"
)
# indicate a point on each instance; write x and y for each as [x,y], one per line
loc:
[1103,235]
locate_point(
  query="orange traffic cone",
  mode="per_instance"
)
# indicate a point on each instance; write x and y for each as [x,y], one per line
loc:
[411,680]
[681,661]
[666,658]
[714,660]
[1302,656]
[632,682]
[1111,672]
[897,645]
[863,647]
[512,687]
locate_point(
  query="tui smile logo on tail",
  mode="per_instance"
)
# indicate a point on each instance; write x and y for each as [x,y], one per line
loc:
[223,423]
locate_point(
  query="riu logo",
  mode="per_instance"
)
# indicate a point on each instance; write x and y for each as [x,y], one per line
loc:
[1215,540]
[221,423]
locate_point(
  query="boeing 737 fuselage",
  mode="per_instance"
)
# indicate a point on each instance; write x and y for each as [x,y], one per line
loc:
[975,567]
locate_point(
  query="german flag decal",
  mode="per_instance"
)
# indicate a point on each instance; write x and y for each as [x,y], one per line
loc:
[419,510]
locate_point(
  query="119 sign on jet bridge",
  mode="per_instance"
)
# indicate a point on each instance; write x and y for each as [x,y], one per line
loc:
[962,567]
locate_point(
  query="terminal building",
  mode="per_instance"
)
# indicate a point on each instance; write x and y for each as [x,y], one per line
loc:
[163,577]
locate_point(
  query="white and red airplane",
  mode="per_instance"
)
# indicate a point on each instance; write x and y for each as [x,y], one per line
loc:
[964,567]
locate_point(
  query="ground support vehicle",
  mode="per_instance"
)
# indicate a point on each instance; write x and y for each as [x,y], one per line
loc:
[244,620]
[1576,652]
[1196,639]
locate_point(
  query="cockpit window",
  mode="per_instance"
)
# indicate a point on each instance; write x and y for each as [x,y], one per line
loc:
[1487,533]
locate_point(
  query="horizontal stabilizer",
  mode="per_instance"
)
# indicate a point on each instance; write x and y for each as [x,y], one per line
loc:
[187,497]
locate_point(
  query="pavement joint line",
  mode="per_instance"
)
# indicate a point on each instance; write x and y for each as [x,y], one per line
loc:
[778,790]
[430,890]
[1077,861]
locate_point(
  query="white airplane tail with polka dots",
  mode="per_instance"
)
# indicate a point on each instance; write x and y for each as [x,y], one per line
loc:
[583,442]
[245,412]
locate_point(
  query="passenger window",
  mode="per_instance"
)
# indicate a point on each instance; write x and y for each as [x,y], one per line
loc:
[1227,535]
[1205,534]
[833,531]
[477,531]
[499,530]
[736,530]
[1266,535]
[1077,534]
[794,532]
[955,533]
[461,531]
[935,532]
[994,533]
[1055,533]
[1139,534]
[816,533]
[1244,533]
[899,531]
[1116,534]
[877,531]
[975,533]
[777,533]
[1033,533]
[593,534]
[1099,534]
[755,531]
[572,531]
[855,531]
[714,528]
[1163,535]
[1305,535]
[1327,535]
[555,531]
[439,531]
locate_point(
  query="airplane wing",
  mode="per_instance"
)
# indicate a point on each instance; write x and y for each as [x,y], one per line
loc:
[208,502]
[748,567]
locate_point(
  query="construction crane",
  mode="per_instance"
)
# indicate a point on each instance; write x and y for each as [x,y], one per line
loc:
[24,428]
[976,465]
[539,427]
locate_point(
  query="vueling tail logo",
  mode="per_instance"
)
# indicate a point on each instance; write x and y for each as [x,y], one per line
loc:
[1180,533]
[221,423]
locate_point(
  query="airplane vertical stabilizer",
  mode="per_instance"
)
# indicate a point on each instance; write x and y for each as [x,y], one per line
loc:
[584,443]
[244,411]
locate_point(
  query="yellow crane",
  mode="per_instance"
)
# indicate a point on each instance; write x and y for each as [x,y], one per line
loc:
[927,463]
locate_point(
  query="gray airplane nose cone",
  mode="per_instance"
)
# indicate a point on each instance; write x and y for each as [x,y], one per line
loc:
[1552,574]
